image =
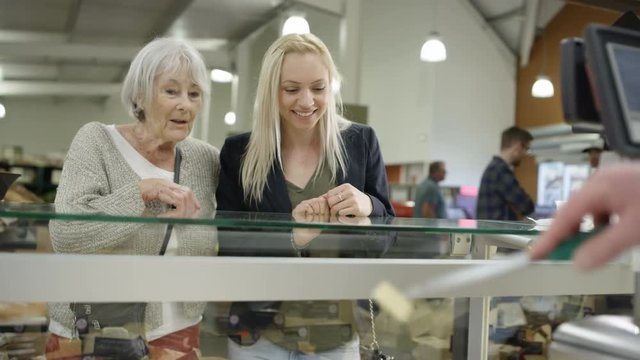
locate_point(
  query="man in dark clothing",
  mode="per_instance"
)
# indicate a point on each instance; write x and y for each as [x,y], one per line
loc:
[501,197]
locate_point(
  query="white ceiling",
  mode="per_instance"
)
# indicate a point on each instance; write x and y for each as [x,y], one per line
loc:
[89,43]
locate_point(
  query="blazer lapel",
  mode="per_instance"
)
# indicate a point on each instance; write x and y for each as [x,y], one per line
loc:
[275,193]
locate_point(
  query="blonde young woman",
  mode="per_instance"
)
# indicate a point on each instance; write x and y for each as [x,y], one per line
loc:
[302,157]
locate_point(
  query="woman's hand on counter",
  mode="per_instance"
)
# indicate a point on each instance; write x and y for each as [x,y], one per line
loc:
[181,198]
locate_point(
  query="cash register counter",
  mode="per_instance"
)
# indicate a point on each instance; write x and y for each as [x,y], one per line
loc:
[274,257]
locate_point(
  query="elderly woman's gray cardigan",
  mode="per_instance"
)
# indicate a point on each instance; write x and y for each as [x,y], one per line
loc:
[97,179]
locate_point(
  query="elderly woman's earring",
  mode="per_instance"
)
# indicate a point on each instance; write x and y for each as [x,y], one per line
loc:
[138,111]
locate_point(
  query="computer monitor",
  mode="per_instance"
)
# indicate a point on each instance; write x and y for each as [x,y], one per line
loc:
[613,61]
[577,101]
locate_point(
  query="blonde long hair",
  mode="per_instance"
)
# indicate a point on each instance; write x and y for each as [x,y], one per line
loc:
[264,144]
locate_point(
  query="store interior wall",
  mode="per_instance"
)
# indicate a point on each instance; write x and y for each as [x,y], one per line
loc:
[220,105]
[453,111]
[46,125]
[535,112]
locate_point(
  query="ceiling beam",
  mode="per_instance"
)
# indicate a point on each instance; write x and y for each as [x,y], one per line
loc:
[333,7]
[87,52]
[15,71]
[94,53]
[528,30]
[12,36]
[170,15]
[51,88]
[500,44]
[72,19]
[507,14]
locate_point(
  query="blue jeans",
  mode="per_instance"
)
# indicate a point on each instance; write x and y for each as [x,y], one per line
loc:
[263,349]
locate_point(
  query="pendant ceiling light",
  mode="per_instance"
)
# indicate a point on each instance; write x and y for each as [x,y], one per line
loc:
[542,87]
[433,50]
[295,24]
[221,76]
[230,116]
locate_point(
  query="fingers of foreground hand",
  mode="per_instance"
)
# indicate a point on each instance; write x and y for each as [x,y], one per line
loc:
[590,199]
[606,245]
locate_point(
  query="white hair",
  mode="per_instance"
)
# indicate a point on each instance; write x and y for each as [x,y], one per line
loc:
[162,55]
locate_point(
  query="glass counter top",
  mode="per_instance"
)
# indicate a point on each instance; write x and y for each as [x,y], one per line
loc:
[245,220]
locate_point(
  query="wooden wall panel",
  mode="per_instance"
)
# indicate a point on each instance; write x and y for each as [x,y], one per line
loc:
[533,112]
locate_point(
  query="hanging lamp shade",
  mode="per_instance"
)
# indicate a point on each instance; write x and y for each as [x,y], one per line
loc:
[542,87]
[230,118]
[295,25]
[221,76]
[433,50]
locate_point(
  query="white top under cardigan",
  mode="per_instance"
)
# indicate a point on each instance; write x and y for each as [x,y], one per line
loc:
[96,178]
[173,318]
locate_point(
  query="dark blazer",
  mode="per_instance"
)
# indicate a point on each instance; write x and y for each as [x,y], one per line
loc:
[365,171]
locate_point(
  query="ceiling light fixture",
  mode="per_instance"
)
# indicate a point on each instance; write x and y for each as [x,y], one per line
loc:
[295,24]
[542,87]
[221,76]
[433,50]
[3,111]
[230,118]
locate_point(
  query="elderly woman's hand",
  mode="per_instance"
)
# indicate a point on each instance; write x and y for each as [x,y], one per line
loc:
[182,199]
[347,200]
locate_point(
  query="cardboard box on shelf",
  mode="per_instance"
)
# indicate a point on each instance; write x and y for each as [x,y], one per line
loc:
[23,313]
[432,317]
[432,348]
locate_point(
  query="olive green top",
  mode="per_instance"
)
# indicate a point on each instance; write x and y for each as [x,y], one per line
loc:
[312,326]
[314,188]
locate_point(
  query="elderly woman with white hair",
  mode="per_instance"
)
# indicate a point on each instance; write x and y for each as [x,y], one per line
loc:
[131,170]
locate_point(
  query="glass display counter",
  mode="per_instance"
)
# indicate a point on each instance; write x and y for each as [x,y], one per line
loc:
[310,267]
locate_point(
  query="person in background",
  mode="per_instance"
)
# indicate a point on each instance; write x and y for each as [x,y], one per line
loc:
[128,170]
[500,196]
[302,157]
[594,153]
[612,190]
[429,202]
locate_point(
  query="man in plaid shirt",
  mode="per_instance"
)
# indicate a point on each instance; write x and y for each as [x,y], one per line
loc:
[501,197]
